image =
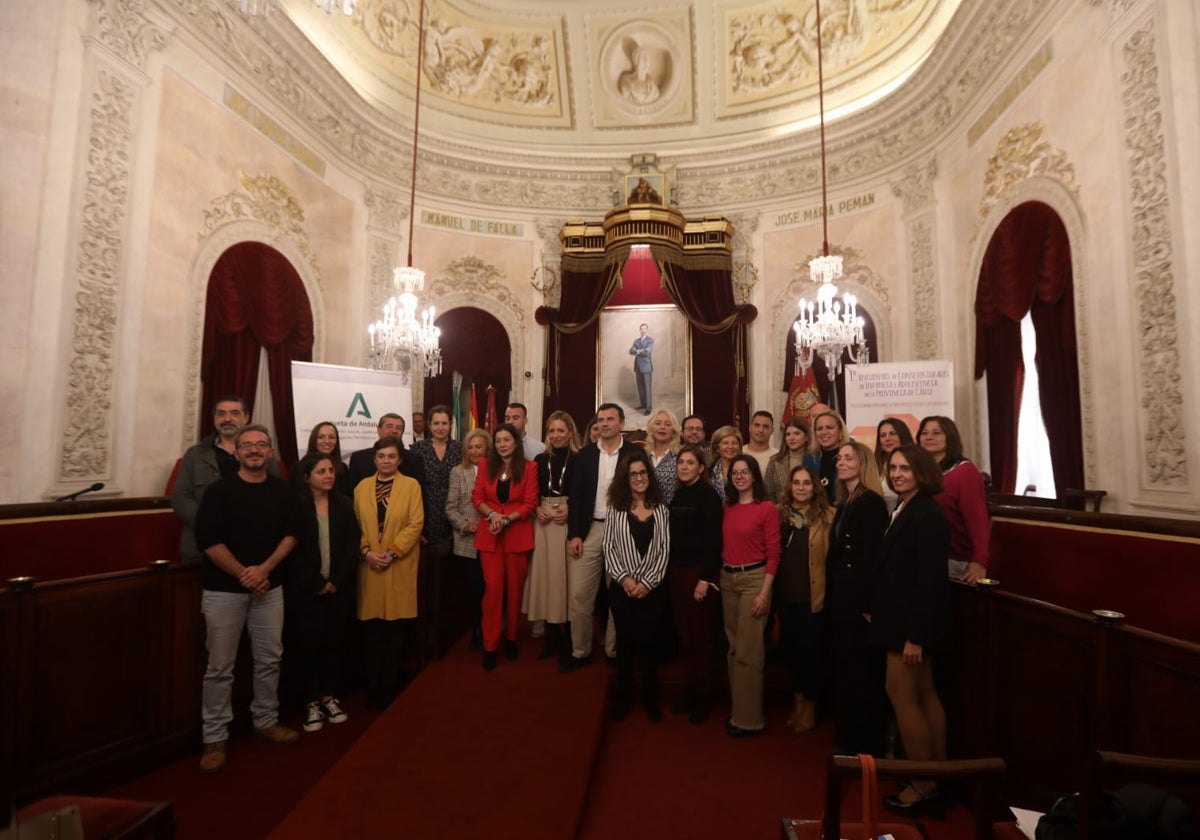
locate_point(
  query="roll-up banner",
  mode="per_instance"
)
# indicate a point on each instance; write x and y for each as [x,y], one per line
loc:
[907,391]
[353,399]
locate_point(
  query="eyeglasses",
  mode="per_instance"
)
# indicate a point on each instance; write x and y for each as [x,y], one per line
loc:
[260,445]
[638,474]
[739,473]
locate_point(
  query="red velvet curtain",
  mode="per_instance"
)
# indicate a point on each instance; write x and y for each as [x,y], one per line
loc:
[1027,267]
[572,336]
[718,326]
[475,344]
[255,300]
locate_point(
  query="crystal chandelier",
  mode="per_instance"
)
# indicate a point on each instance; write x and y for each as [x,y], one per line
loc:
[828,328]
[398,340]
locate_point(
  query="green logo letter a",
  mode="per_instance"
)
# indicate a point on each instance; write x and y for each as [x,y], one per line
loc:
[358,401]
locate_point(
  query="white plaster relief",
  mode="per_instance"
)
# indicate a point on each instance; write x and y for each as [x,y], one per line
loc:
[1164,440]
[915,187]
[922,274]
[1022,154]
[473,282]
[387,211]
[263,211]
[1064,199]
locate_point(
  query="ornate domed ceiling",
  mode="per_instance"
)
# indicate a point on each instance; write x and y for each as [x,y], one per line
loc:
[587,76]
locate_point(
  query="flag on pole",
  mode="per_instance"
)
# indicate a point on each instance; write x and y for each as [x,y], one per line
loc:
[802,396]
[473,410]
[456,382]
[490,418]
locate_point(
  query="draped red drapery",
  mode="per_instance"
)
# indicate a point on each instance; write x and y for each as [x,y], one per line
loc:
[704,296]
[255,300]
[1027,269]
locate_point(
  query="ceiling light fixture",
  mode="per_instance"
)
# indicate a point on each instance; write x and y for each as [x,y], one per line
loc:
[827,328]
[399,341]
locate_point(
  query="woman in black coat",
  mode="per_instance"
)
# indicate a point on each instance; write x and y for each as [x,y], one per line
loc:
[910,615]
[858,694]
[319,588]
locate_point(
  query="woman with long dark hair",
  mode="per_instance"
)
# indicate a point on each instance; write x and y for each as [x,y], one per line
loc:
[548,569]
[805,521]
[750,560]
[637,543]
[963,499]
[890,433]
[391,516]
[319,591]
[438,454]
[505,494]
[910,616]
[692,575]
[858,695]
[324,439]
[794,453]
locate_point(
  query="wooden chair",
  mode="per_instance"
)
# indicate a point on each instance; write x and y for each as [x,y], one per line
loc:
[983,772]
[1109,769]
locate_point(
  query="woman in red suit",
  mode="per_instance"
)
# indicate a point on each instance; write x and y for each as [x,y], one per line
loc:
[506,494]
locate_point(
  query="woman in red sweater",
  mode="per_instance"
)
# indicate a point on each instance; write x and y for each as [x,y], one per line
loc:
[506,494]
[963,499]
[750,559]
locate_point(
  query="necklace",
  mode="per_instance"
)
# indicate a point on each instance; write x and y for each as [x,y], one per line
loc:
[556,485]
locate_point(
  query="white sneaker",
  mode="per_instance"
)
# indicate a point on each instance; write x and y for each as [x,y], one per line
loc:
[333,712]
[314,718]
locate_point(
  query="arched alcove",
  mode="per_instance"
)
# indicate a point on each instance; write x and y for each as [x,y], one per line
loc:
[255,301]
[820,371]
[1027,270]
[476,345]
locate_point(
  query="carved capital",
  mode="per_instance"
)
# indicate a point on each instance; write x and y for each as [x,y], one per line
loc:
[124,28]
[915,188]
[1021,154]
[388,210]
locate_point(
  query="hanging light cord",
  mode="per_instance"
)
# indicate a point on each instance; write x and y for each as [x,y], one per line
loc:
[412,196]
[821,105]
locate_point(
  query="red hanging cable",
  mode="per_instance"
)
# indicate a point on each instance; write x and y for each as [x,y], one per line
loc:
[412,198]
[821,105]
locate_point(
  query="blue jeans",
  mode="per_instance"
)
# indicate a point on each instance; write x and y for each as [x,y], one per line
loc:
[225,614]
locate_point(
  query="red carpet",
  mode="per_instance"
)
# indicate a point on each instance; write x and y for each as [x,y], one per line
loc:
[466,754]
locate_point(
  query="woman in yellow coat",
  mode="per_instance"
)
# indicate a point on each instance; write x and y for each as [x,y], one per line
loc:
[390,515]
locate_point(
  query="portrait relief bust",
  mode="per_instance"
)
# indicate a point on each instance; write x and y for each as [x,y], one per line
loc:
[640,68]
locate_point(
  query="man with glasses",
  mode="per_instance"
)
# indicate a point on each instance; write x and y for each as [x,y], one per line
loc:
[247,524]
[692,433]
[203,464]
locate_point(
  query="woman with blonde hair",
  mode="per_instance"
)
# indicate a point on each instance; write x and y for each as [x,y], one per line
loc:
[858,693]
[726,444]
[662,446]
[464,519]
[547,596]
[829,433]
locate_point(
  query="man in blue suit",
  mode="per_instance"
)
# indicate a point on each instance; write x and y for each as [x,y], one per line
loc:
[643,366]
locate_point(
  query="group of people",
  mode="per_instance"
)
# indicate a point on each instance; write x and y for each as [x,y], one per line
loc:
[851,549]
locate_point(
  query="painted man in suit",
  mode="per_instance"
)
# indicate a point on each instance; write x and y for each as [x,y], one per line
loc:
[643,366]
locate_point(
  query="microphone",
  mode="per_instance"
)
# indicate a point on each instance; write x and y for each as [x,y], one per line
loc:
[70,497]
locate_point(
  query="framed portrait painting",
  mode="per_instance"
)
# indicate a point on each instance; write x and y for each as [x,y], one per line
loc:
[644,362]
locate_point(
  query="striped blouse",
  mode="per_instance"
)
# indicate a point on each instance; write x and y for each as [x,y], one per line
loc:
[621,556]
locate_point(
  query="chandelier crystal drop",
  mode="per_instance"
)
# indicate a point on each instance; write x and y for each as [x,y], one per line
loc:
[829,328]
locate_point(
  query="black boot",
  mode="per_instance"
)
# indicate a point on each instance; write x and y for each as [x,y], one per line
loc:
[553,641]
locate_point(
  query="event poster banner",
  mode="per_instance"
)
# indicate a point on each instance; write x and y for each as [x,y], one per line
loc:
[353,399]
[907,391]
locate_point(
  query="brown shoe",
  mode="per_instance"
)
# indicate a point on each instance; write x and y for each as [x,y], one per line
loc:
[212,760]
[277,734]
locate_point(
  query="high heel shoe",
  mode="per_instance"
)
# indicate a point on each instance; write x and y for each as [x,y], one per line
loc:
[931,804]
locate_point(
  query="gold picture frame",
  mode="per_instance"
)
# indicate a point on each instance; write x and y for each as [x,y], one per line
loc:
[671,359]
